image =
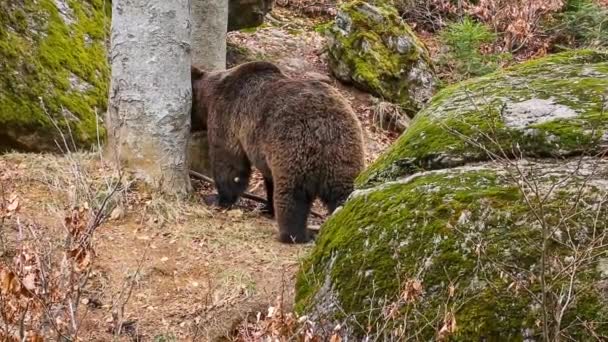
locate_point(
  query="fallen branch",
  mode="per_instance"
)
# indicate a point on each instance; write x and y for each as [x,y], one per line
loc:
[246,195]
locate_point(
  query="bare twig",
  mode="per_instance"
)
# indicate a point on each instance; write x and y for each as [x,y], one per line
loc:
[118,315]
[54,288]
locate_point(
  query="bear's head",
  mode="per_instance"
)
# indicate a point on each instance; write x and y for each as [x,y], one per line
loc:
[209,87]
[203,83]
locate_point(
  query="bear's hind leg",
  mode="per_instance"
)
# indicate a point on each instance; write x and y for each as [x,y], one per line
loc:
[291,208]
[268,208]
[333,197]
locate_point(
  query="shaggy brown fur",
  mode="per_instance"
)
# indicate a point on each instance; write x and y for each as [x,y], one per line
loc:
[302,136]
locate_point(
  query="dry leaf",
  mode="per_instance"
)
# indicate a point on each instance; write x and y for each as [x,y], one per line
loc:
[236,213]
[34,337]
[412,290]
[29,282]
[81,257]
[335,338]
[6,278]
[449,326]
[9,283]
[116,213]
[13,205]
[451,290]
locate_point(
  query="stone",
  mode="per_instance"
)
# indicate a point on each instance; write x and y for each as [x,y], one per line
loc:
[48,75]
[372,48]
[546,107]
[457,231]
[407,257]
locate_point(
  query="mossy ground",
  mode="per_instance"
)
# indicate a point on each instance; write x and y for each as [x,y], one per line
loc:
[53,64]
[471,242]
[464,122]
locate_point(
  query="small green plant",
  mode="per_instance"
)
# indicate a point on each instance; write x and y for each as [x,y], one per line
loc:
[464,41]
[323,27]
[165,338]
[584,23]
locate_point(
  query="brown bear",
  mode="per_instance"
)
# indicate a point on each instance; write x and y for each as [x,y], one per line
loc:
[301,134]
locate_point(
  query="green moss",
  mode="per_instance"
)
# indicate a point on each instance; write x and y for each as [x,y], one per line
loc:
[54,67]
[469,230]
[464,122]
[254,29]
[323,28]
[370,53]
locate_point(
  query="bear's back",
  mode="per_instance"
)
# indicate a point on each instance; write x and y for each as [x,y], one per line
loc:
[271,113]
[311,117]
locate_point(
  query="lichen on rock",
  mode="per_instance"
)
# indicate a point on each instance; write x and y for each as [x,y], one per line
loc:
[53,64]
[409,258]
[370,46]
[549,107]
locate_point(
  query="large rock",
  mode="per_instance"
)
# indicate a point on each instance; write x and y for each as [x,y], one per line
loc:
[549,107]
[452,235]
[457,252]
[374,49]
[247,13]
[53,64]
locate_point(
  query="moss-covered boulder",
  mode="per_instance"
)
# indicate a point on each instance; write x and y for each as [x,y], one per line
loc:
[492,252]
[550,107]
[370,46]
[53,64]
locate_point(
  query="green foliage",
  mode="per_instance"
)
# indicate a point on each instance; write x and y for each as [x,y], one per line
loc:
[254,29]
[464,41]
[165,338]
[584,23]
[323,28]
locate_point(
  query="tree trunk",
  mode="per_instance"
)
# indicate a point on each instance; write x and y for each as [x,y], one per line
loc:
[210,25]
[198,153]
[209,28]
[150,93]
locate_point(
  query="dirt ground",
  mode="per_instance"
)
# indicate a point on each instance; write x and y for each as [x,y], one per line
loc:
[178,270]
[193,270]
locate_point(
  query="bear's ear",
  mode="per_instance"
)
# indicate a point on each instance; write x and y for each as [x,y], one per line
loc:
[196,73]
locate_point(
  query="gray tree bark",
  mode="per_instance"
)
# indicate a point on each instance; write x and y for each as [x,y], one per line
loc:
[209,28]
[150,92]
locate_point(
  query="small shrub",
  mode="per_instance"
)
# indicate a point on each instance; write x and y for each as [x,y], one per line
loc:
[520,23]
[465,41]
[584,23]
[428,15]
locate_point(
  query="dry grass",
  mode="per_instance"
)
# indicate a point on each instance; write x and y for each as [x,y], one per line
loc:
[162,268]
[389,116]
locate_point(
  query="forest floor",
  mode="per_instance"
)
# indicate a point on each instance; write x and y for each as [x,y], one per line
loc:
[178,271]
